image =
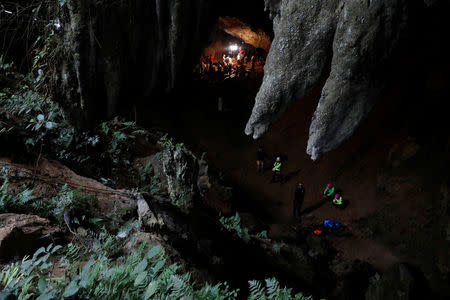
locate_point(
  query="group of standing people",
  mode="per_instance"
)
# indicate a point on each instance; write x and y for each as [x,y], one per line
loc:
[236,66]
[329,193]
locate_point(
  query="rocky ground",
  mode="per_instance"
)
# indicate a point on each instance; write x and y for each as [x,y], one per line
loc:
[389,172]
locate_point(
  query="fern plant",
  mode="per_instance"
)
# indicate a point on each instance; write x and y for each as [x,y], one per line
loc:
[272,290]
[233,224]
[143,274]
[16,203]
[149,181]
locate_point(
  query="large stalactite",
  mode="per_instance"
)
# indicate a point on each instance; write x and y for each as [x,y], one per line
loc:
[122,51]
[357,37]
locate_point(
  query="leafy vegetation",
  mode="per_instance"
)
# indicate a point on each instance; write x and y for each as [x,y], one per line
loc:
[184,201]
[233,224]
[262,234]
[95,266]
[67,203]
[272,290]
[149,181]
[143,274]
[167,142]
[30,117]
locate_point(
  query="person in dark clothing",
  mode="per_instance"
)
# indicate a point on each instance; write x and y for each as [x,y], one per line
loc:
[299,195]
[260,156]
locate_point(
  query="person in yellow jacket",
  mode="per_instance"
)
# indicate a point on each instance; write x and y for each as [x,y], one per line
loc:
[337,201]
[276,170]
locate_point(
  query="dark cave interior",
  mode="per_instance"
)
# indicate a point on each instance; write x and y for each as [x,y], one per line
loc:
[417,85]
[209,113]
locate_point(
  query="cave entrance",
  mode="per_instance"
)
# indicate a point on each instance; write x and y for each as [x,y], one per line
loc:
[231,65]
[236,51]
[210,113]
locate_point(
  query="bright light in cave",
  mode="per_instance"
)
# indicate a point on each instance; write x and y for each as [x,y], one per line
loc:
[234,47]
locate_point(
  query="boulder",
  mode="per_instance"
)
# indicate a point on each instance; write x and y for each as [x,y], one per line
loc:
[352,278]
[181,170]
[292,260]
[157,165]
[318,247]
[146,216]
[24,234]
[203,183]
[399,282]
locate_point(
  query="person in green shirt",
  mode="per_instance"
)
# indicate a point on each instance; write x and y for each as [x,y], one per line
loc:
[329,191]
[337,201]
[276,170]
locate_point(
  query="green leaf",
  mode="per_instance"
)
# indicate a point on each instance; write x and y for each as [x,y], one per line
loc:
[158,266]
[49,247]
[56,248]
[43,297]
[29,141]
[42,285]
[71,289]
[140,267]
[39,251]
[153,252]
[95,220]
[140,278]
[151,289]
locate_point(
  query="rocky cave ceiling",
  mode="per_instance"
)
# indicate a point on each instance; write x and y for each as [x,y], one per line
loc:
[347,42]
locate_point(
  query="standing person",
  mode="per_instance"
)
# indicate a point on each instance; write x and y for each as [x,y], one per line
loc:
[276,170]
[220,104]
[260,156]
[299,196]
[252,60]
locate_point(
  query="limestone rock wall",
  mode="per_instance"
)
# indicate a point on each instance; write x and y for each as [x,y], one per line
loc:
[355,37]
[116,50]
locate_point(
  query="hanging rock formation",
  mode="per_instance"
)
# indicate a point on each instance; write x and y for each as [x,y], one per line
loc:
[357,37]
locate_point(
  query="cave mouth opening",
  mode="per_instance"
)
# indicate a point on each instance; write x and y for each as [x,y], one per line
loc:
[218,93]
[209,113]
[231,65]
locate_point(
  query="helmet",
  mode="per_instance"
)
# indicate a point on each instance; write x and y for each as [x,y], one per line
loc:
[329,185]
[336,196]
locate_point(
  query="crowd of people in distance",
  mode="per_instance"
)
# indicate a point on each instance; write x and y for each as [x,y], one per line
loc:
[230,66]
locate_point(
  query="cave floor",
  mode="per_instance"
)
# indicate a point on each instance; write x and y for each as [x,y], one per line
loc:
[385,214]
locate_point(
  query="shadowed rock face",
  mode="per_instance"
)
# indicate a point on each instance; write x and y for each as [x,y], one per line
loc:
[356,36]
[125,50]
[145,49]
